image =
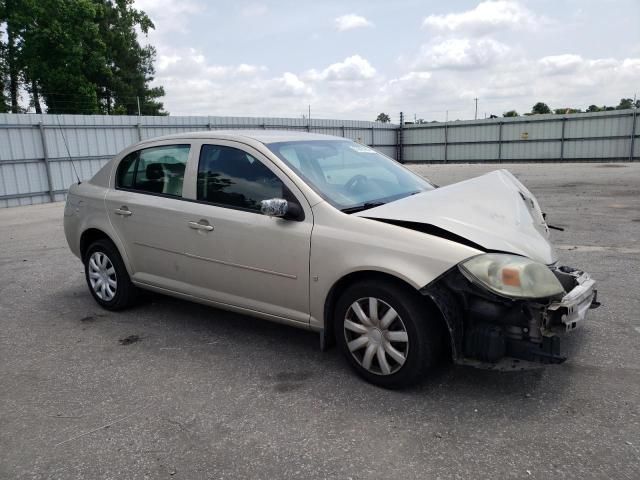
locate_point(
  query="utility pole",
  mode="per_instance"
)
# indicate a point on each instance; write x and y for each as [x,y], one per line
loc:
[475,117]
[138,100]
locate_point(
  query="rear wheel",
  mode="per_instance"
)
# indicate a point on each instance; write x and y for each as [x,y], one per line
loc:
[107,276]
[388,334]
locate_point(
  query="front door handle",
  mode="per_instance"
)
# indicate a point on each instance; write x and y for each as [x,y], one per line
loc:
[201,225]
[123,211]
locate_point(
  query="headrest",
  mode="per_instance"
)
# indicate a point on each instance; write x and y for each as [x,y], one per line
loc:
[155,171]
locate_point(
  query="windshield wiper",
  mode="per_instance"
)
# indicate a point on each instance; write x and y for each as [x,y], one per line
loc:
[360,208]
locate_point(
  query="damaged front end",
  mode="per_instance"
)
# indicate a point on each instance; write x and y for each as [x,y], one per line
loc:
[488,327]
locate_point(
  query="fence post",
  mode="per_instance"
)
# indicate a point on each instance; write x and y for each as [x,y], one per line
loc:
[564,121]
[343,135]
[633,134]
[47,165]
[446,142]
[373,141]
[500,141]
[400,141]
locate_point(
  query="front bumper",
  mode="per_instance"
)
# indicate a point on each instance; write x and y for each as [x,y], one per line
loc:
[486,328]
[549,324]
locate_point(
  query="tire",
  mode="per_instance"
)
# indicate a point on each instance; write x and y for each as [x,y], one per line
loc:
[411,341]
[103,265]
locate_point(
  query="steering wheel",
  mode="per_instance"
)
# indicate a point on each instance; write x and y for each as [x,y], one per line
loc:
[355,180]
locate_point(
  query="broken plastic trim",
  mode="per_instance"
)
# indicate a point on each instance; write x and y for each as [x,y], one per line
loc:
[431,230]
[472,313]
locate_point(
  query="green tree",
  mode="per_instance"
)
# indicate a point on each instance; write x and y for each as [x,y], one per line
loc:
[4,106]
[384,118]
[627,103]
[9,16]
[62,54]
[565,110]
[593,108]
[79,56]
[510,113]
[131,64]
[540,108]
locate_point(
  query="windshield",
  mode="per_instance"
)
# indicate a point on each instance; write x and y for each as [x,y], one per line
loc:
[350,176]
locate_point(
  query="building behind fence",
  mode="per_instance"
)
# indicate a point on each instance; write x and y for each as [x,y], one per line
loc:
[35,149]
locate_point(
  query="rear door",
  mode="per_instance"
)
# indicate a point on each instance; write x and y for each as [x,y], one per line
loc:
[236,255]
[146,209]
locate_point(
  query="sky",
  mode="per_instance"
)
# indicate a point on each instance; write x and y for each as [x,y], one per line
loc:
[353,59]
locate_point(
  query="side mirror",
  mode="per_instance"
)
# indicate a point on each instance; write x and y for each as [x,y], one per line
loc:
[281,208]
[274,207]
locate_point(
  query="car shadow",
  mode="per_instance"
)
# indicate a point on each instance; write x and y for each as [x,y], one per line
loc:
[288,359]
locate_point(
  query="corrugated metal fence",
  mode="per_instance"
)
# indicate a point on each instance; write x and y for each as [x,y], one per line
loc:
[603,136]
[35,166]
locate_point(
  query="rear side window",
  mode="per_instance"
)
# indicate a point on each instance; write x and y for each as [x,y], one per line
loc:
[158,170]
[126,171]
[231,177]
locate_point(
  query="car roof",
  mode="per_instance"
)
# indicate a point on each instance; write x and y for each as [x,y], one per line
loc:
[262,136]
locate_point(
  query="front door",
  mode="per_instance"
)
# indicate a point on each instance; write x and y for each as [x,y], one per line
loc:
[236,255]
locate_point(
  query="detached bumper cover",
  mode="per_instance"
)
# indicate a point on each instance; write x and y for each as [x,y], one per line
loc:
[574,305]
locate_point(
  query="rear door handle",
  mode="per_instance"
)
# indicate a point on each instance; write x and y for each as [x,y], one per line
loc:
[201,225]
[123,211]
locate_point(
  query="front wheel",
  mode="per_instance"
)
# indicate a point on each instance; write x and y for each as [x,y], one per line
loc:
[388,334]
[107,276]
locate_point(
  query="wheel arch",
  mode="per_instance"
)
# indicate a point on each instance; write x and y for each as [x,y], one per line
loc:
[89,236]
[92,234]
[327,333]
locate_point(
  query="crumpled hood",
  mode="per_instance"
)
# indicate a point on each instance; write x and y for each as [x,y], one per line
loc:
[493,210]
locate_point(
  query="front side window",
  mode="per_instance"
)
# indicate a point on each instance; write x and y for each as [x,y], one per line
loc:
[231,177]
[157,170]
[348,175]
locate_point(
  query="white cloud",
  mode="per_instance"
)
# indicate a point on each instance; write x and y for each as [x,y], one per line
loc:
[409,88]
[353,68]
[353,88]
[190,63]
[254,10]
[486,51]
[558,64]
[461,53]
[488,16]
[418,77]
[169,15]
[351,21]
[289,84]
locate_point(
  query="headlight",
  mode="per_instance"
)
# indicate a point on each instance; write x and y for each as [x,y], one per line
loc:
[512,276]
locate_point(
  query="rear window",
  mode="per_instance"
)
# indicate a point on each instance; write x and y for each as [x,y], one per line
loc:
[155,170]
